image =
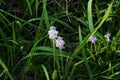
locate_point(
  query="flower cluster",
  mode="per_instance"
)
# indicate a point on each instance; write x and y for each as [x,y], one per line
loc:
[60,43]
[94,38]
[107,36]
[53,34]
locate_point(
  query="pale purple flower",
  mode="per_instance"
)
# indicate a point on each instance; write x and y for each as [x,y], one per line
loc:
[107,36]
[53,34]
[93,39]
[60,43]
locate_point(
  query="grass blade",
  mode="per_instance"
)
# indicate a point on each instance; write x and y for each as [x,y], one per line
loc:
[6,69]
[81,21]
[29,7]
[45,14]
[36,7]
[90,20]
[45,71]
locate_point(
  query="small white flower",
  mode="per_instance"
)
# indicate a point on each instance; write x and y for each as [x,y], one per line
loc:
[53,34]
[93,39]
[107,36]
[60,43]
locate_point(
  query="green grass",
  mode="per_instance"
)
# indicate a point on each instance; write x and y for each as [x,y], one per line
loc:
[27,53]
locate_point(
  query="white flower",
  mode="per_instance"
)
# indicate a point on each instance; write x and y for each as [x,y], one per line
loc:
[60,43]
[53,34]
[93,39]
[107,36]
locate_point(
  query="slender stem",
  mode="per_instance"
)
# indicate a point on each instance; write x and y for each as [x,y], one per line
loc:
[12,59]
[107,52]
[62,62]
[54,54]
[56,59]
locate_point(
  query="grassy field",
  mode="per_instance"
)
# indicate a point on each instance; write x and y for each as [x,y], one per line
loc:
[59,40]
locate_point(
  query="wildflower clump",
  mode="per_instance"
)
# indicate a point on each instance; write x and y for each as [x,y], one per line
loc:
[53,35]
[93,39]
[107,36]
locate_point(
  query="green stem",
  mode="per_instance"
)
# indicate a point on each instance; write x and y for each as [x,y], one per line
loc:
[56,59]
[62,62]
[54,54]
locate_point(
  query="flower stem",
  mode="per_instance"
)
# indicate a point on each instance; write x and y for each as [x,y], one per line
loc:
[54,59]
[62,62]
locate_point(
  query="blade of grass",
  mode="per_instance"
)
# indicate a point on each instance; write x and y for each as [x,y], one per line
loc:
[81,21]
[46,72]
[90,20]
[38,34]
[30,20]
[116,73]
[62,22]
[5,21]
[97,11]
[84,8]
[45,14]
[6,69]
[115,39]
[36,7]
[3,35]
[3,72]
[29,7]
[4,18]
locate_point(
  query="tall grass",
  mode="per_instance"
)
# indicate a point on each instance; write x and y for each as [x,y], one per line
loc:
[27,53]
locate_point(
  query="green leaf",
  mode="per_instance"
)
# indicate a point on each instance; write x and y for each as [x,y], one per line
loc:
[90,20]
[46,72]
